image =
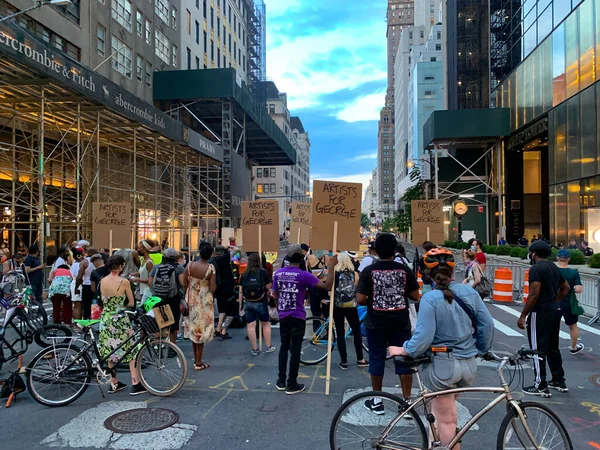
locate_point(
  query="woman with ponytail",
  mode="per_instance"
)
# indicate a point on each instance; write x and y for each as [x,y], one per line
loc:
[443,321]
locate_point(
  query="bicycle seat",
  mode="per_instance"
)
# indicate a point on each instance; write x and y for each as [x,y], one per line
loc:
[86,323]
[406,362]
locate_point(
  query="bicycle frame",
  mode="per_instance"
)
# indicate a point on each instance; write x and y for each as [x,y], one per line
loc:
[11,313]
[325,326]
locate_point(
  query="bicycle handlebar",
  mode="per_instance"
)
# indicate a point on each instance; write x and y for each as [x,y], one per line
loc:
[522,353]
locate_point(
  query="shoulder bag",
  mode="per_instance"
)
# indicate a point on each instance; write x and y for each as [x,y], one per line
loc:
[484,288]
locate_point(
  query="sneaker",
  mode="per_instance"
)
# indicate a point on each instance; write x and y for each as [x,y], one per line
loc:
[119,387]
[271,349]
[280,385]
[224,337]
[296,389]
[375,408]
[343,366]
[363,364]
[560,386]
[532,390]
[137,389]
[578,349]
[180,337]
[255,352]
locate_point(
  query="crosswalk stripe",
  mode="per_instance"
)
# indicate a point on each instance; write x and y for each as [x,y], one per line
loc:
[505,329]
[511,311]
[588,328]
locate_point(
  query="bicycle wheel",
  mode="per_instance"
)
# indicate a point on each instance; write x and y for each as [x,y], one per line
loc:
[43,336]
[314,342]
[546,428]
[48,382]
[37,317]
[355,427]
[160,374]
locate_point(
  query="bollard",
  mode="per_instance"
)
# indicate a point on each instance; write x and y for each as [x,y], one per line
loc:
[503,285]
[526,287]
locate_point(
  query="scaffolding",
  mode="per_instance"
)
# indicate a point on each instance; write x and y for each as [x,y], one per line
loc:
[255,41]
[60,152]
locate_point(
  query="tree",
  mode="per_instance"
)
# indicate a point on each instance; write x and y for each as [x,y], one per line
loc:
[365,222]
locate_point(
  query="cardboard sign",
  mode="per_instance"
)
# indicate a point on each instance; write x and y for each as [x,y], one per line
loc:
[107,217]
[265,214]
[427,221]
[300,223]
[334,201]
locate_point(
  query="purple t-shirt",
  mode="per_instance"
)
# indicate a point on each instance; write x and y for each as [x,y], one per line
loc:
[291,284]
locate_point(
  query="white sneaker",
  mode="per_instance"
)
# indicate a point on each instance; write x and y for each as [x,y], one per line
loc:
[271,349]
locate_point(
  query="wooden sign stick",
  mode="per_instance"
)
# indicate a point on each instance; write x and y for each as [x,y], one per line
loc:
[258,323]
[331,299]
[299,230]
[110,241]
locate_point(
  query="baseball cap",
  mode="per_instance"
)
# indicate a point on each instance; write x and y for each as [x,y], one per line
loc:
[371,245]
[170,253]
[540,246]
[294,250]
[564,253]
[220,249]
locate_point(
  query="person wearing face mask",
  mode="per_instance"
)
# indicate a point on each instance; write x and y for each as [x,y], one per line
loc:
[547,287]
[476,246]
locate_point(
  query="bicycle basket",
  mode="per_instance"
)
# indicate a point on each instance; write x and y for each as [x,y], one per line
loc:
[149,324]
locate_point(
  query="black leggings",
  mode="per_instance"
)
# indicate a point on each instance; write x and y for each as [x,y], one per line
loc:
[350,314]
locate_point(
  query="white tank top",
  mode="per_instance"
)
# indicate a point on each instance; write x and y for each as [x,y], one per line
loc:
[88,272]
[144,276]
[75,269]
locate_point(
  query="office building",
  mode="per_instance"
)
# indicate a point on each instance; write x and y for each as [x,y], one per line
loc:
[552,156]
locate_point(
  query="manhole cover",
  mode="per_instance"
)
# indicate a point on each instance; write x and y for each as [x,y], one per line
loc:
[595,380]
[141,420]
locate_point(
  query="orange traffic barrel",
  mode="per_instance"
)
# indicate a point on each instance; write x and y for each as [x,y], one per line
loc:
[526,286]
[503,285]
[420,281]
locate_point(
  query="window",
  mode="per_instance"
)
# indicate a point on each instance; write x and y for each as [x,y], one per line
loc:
[240,55]
[174,56]
[162,47]
[139,23]
[218,27]
[422,34]
[429,77]
[266,173]
[212,50]
[273,188]
[218,57]
[433,59]
[410,34]
[212,17]
[121,57]
[204,9]
[139,68]
[197,4]
[189,59]
[224,60]
[174,17]
[161,8]
[148,73]
[265,188]
[234,23]
[273,172]
[234,50]
[101,40]
[259,172]
[438,47]
[259,189]
[205,42]
[71,11]
[121,12]
[271,109]
[197,63]
[438,35]
[197,32]
[148,32]
[244,64]
[188,21]
[229,15]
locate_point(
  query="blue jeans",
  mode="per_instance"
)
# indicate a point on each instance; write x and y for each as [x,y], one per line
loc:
[256,310]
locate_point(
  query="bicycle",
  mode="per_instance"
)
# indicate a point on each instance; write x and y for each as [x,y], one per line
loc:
[526,425]
[37,315]
[59,375]
[18,318]
[314,342]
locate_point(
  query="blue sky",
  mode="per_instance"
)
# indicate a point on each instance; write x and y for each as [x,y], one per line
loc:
[329,56]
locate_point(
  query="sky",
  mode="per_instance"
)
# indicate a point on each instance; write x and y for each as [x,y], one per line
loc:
[329,56]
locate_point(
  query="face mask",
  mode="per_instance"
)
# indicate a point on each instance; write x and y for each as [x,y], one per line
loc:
[473,248]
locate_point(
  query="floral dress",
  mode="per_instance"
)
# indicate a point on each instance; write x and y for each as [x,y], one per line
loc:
[199,325]
[115,329]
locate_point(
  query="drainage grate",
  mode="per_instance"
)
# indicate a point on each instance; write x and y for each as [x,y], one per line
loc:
[141,420]
[595,380]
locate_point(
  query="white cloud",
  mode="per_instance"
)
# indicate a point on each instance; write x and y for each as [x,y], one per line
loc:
[363,157]
[363,108]
[276,8]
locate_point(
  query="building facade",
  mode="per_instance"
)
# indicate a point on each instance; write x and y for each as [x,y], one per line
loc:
[552,157]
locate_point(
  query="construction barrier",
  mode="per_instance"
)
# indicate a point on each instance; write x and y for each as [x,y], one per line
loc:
[526,287]
[503,288]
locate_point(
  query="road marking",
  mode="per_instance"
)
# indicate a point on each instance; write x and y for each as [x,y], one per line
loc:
[87,431]
[511,311]
[505,329]
[234,383]
[313,380]
[588,328]
[593,444]
[217,403]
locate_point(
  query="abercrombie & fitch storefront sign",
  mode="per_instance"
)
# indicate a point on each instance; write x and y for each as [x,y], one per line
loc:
[28,49]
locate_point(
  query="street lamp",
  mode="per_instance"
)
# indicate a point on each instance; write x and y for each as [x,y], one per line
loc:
[37,4]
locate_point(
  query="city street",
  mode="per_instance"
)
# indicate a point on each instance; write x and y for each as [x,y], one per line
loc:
[234,403]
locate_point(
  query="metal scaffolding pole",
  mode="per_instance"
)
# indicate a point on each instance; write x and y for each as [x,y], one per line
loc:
[98,157]
[78,172]
[134,221]
[15,178]
[41,178]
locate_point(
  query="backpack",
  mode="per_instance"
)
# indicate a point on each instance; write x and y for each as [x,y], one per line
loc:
[344,296]
[164,284]
[253,287]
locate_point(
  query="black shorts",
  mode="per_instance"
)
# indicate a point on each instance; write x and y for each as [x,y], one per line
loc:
[174,304]
[565,311]
[227,304]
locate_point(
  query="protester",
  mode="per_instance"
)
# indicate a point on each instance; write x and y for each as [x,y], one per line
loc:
[35,272]
[83,279]
[75,288]
[59,294]
[155,252]
[303,264]
[477,247]
[385,288]
[200,281]
[64,254]
[10,269]
[346,279]
[400,256]
[227,306]
[547,286]
[572,245]
[420,267]
[354,257]
[104,252]
[444,322]
[474,272]
[165,280]
[523,241]
[370,259]
[100,271]
[4,252]
[290,285]
[142,277]
[115,328]
[255,288]
[568,303]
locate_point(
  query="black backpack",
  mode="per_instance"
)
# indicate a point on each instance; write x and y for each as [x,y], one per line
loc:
[253,286]
[164,284]
[344,290]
